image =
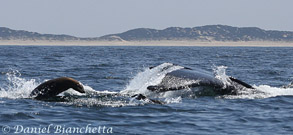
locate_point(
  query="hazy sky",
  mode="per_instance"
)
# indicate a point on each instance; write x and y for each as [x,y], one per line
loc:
[92,18]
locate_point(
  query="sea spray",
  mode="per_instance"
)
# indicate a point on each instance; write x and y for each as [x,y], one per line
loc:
[16,86]
[220,73]
[148,77]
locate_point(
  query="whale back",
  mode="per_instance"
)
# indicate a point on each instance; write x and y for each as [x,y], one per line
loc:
[189,78]
[184,78]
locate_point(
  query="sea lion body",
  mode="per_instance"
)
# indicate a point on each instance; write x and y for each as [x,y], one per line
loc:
[54,87]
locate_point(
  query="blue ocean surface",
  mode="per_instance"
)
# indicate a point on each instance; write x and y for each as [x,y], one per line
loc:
[107,72]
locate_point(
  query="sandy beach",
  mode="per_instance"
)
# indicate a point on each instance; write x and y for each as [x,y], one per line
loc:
[145,43]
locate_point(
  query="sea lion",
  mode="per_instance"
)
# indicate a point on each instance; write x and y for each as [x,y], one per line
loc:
[53,87]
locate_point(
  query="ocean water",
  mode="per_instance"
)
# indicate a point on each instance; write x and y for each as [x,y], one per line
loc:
[109,74]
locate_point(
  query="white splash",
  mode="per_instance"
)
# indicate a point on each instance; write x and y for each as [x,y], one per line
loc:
[261,91]
[88,91]
[147,78]
[220,73]
[154,76]
[173,100]
[274,91]
[17,87]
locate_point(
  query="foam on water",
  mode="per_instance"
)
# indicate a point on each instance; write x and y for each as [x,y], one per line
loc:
[264,91]
[274,91]
[88,91]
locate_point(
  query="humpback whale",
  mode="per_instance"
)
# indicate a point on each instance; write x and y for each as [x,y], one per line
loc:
[53,87]
[191,78]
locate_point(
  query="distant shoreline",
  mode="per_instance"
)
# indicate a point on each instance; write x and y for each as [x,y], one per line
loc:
[146,43]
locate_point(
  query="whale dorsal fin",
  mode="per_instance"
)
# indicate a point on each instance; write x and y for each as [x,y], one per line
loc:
[241,83]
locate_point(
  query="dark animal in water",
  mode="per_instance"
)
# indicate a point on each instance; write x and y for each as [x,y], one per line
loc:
[191,78]
[53,87]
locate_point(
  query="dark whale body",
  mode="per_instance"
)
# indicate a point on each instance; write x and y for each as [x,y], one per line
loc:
[190,78]
[53,87]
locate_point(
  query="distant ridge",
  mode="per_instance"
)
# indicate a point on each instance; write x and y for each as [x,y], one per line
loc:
[202,33]
[205,33]
[9,34]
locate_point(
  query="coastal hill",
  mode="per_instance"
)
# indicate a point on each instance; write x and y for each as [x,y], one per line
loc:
[203,33]
[9,34]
